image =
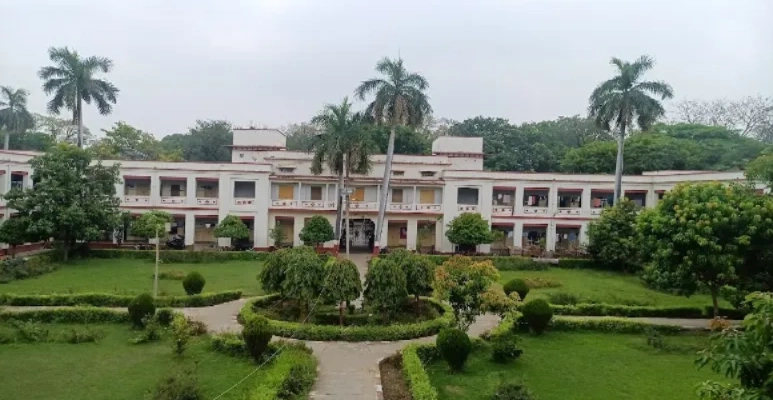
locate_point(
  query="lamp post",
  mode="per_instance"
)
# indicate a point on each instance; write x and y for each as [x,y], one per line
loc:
[347,191]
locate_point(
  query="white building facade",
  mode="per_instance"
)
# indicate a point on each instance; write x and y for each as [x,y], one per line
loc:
[268,186]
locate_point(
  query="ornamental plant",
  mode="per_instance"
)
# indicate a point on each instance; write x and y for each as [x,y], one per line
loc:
[342,284]
[385,287]
[232,227]
[469,230]
[462,282]
[316,231]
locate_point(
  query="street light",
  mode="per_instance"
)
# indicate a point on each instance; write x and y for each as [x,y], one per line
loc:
[347,191]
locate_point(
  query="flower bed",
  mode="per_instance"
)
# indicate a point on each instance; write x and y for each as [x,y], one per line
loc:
[309,331]
[116,300]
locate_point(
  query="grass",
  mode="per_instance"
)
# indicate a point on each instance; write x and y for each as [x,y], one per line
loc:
[581,366]
[125,276]
[605,287]
[113,369]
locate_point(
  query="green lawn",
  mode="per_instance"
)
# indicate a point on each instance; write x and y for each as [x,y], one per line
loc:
[605,287]
[113,369]
[124,276]
[581,366]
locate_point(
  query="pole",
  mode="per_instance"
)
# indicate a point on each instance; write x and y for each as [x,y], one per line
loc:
[348,227]
[155,276]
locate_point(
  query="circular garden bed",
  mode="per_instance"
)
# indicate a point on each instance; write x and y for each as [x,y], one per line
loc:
[359,325]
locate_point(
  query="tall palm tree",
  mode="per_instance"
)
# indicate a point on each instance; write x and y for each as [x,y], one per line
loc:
[72,82]
[14,117]
[615,103]
[343,147]
[399,99]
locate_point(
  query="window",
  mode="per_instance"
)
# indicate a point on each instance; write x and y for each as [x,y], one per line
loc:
[244,190]
[427,196]
[467,196]
[286,192]
[175,190]
[358,194]
[398,173]
[286,170]
[397,195]
[427,173]
[316,193]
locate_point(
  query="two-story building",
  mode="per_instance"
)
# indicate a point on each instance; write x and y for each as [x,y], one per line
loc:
[268,186]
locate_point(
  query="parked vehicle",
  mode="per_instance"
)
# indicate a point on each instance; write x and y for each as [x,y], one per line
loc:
[177,242]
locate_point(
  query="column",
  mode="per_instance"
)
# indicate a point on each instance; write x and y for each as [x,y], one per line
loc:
[271,226]
[439,233]
[585,199]
[414,202]
[550,237]
[190,229]
[584,234]
[190,190]
[298,223]
[518,208]
[553,200]
[518,235]
[411,234]
[155,190]
[652,199]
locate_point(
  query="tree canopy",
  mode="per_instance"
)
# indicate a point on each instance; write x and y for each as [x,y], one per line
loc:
[14,116]
[317,230]
[151,223]
[469,229]
[612,239]
[232,227]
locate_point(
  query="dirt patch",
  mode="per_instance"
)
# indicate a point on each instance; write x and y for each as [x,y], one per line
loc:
[393,383]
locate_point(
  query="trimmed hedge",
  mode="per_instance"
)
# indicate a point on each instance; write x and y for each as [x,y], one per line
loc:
[68,315]
[117,300]
[614,310]
[180,256]
[514,323]
[352,333]
[291,375]
[413,370]
[502,263]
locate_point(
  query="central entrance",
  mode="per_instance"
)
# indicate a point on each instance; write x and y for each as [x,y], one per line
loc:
[361,236]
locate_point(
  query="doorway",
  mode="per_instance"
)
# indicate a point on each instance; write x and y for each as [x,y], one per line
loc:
[361,237]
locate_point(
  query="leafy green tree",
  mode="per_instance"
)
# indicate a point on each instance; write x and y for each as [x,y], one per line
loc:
[342,284]
[317,231]
[615,103]
[304,276]
[278,235]
[419,272]
[125,142]
[72,82]
[208,141]
[151,223]
[232,227]
[761,169]
[344,138]
[31,141]
[61,130]
[408,140]
[592,158]
[612,239]
[273,274]
[743,355]
[72,200]
[15,231]
[399,99]
[700,234]
[14,117]
[463,282]
[469,230]
[712,147]
[301,137]
[385,287]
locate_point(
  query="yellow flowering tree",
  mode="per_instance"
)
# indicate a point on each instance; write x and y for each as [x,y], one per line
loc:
[463,281]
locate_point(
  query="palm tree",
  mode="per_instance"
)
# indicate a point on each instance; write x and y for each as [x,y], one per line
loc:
[616,102]
[72,82]
[343,142]
[399,99]
[14,117]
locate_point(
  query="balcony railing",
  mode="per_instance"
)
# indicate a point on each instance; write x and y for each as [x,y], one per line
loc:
[318,204]
[136,199]
[429,207]
[502,210]
[242,201]
[570,211]
[596,211]
[467,207]
[206,201]
[535,210]
[172,200]
[400,207]
[364,205]
[284,203]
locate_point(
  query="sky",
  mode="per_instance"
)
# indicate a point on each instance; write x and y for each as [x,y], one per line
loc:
[274,62]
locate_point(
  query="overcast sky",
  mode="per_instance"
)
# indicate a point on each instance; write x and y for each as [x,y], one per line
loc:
[274,62]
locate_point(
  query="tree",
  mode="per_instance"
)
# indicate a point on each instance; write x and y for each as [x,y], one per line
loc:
[72,200]
[700,235]
[399,99]
[750,116]
[232,227]
[743,355]
[712,147]
[125,142]
[72,82]
[343,138]
[208,141]
[61,130]
[304,277]
[273,274]
[342,284]
[316,231]
[151,223]
[419,272]
[592,158]
[462,282]
[14,117]
[15,231]
[277,234]
[407,141]
[761,169]
[612,239]
[616,102]
[469,230]
[385,287]
[301,137]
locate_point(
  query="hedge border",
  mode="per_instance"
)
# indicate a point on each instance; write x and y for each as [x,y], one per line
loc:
[300,331]
[413,370]
[294,359]
[615,310]
[180,256]
[502,263]
[78,315]
[117,300]
[603,324]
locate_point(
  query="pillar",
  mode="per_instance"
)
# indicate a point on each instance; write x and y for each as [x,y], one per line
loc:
[651,200]
[439,232]
[518,208]
[190,229]
[298,223]
[190,191]
[155,190]
[550,237]
[584,234]
[585,199]
[518,235]
[411,235]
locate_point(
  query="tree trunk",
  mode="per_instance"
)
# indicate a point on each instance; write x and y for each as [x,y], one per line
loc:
[418,310]
[65,251]
[13,249]
[7,138]
[385,185]
[714,301]
[341,314]
[619,164]
[80,123]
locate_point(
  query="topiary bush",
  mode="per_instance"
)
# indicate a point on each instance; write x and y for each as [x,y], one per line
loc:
[516,285]
[454,346]
[504,348]
[511,391]
[193,283]
[537,314]
[140,308]
[256,333]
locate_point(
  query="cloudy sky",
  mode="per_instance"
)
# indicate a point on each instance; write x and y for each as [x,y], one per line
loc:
[272,62]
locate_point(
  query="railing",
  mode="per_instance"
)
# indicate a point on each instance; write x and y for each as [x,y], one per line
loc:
[596,211]
[206,201]
[362,205]
[173,200]
[401,207]
[569,211]
[317,204]
[429,207]
[136,199]
[284,203]
[502,210]
[467,207]
[241,201]
[535,210]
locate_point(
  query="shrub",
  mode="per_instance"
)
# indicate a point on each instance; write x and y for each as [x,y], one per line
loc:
[140,308]
[165,316]
[496,302]
[68,315]
[563,298]
[116,300]
[181,385]
[462,282]
[385,287]
[516,285]
[511,391]
[540,283]
[25,267]
[197,328]
[85,335]
[31,332]
[151,333]
[454,346]
[181,334]
[291,376]
[417,378]
[537,314]
[316,231]
[612,239]
[256,334]
[171,275]
[180,257]
[193,283]
[504,348]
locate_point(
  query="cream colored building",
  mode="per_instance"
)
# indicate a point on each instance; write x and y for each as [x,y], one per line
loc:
[266,185]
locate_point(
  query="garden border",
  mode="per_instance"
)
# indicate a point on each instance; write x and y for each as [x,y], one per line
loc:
[603,324]
[300,331]
[180,256]
[615,310]
[413,370]
[117,300]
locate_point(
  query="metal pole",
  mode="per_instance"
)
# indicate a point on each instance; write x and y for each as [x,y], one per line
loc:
[155,276]
[348,227]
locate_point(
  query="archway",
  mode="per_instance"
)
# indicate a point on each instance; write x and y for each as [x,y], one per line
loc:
[362,235]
